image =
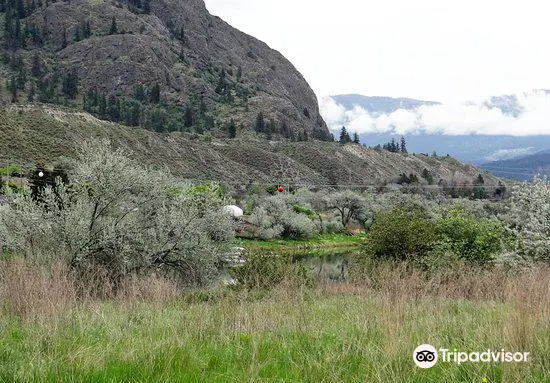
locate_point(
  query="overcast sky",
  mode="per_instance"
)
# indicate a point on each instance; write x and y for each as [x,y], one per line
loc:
[428,49]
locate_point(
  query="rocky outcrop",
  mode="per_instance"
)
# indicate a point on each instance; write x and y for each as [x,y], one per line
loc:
[194,57]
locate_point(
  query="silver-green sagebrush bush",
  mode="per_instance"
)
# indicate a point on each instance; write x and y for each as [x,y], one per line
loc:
[278,216]
[529,220]
[115,218]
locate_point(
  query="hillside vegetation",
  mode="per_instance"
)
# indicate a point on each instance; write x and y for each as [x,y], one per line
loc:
[30,134]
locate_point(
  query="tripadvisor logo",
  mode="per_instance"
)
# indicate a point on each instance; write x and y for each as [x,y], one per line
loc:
[426,356]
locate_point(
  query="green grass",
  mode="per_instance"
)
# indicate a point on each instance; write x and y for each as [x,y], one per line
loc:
[326,240]
[296,337]
[328,245]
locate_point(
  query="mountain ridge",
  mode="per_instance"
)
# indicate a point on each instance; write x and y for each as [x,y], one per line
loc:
[45,134]
[197,72]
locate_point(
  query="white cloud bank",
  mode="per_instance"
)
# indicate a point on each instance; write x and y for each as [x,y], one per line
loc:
[449,119]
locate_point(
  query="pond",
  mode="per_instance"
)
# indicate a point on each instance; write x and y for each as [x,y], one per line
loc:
[324,264]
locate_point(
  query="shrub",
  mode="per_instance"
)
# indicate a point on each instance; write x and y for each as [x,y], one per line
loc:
[115,218]
[473,239]
[401,234]
[529,220]
[276,216]
[266,227]
[13,187]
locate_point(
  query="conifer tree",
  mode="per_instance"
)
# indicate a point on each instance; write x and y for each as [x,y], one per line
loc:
[86,29]
[70,84]
[259,126]
[139,93]
[64,39]
[77,34]
[428,176]
[12,87]
[32,92]
[20,8]
[102,106]
[113,108]
[403,145]
[232,129]
[36,65]
[113,30]
[344,136]
[188,117]
[154,96]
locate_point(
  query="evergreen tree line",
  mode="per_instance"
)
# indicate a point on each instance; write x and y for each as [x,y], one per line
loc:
[413,178]
[18,30]
[346,139]
[454,189]
[44,84]
[478,191]
[140,6]
[145,108]
[394,146]
[229,88]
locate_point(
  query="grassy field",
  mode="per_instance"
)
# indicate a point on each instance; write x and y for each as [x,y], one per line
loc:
[335,333]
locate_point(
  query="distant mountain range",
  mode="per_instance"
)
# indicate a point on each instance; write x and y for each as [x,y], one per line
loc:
[476,148]
[379,105]
[522,168]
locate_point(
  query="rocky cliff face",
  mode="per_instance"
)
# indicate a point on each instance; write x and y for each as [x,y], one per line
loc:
[197,60]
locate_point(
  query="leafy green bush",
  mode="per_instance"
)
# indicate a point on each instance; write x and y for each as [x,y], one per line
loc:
[472,239]
[454,236]
[14,187]
[401,234]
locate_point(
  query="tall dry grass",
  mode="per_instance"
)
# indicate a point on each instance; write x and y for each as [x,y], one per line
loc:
[33,292]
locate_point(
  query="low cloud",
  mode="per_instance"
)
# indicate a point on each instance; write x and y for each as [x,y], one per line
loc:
[505,154]
[451,119]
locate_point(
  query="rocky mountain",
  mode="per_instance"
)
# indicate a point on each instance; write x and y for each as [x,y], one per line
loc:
[167,65]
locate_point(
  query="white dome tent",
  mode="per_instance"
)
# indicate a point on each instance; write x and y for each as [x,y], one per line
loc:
[233,211]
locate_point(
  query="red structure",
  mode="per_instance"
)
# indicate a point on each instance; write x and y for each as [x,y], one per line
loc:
[280,189]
